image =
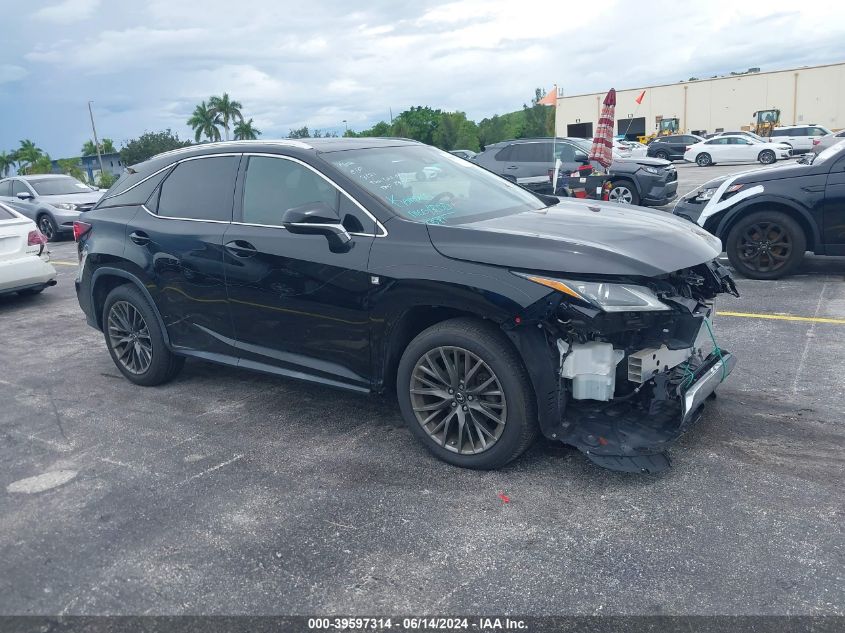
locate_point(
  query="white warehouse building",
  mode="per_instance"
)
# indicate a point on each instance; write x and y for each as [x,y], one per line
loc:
[809,95]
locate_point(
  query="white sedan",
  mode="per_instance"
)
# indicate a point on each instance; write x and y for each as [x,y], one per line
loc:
[735,149]
[25,265]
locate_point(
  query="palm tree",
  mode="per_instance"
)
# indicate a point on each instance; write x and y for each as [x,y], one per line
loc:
[27,154]
[244,131]
[205,122]
[227,110]
[7,161]
[106,147]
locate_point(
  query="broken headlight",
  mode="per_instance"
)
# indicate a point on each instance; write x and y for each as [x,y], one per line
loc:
[609,297]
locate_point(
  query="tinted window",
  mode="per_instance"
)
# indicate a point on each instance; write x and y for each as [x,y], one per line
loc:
[532,153]
[673,139]
[200,189]
[274,185]
[6,188]
[717,141]
[138,194]
[19,187]
[691,140]
[785,132]
[840,134]
[60,186]
[504,154]
[817,131]
[565,152]
[738,141]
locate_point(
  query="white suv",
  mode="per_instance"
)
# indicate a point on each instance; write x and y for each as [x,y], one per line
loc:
[799,137]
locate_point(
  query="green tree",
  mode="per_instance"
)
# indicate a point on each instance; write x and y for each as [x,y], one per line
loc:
[501,127]
[204,122]
[26,155]
[41,165]
[106,147]
[71,167]
[455,131]
[382,128]
[245,131]
[539,119]
[300,133]
[418,123]
[226,110]
[148,145]
[7,161]
[106,180]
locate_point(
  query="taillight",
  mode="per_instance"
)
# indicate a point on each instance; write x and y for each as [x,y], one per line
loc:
[35,238]
[816,141]
[80,229]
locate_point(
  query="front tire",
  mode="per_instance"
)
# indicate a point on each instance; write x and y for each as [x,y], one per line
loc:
[703,160]
[767,157]
[47,226]
[766,245]
[661,155]
[623,192]
[135,340]
[464,393]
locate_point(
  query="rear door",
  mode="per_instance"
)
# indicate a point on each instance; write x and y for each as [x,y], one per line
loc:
[742,150]
[677,145]
[718,149]
[834,209]
[177,240]
[530,162]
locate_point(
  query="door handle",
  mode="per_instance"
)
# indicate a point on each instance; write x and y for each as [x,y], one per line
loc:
[240,248]
[512,167]
[139,237]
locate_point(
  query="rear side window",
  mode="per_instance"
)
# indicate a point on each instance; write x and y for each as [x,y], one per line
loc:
[504,154]
[137,193]
[532,153]
[717,141]
[200,189]
[817,131]
[781,132]
[6,188]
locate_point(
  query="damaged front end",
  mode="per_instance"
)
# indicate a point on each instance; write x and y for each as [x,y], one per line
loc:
[622,366]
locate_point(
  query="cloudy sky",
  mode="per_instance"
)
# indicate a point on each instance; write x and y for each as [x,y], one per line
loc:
[146,64]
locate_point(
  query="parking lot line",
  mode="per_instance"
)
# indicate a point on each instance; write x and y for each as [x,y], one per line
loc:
[781,317]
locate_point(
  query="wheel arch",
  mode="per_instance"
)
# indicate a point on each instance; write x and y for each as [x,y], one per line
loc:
[107,278]
[724,225]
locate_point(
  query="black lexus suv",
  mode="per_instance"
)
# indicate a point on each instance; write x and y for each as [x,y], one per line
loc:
[374,264]
[768,218]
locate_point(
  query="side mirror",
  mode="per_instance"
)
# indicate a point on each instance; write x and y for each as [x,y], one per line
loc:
[25,195]
[318,218]
[581,157]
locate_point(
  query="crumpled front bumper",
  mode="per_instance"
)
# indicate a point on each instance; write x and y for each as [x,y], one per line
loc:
[634,439]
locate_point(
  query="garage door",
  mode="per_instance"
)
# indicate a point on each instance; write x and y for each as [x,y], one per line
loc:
[580,130]
[631,128]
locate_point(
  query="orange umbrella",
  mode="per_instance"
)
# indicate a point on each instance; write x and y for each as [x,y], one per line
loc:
[602,149]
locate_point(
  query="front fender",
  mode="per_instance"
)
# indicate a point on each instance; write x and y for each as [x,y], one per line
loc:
[724,221]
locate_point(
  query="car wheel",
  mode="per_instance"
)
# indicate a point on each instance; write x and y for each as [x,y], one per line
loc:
[623,192]
[661,155]
[135,340]
[465,394]
[47,226]
[703,160]
[766,245]
[767,157]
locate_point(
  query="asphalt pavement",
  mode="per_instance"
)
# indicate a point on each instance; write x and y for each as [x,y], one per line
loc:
[230,492]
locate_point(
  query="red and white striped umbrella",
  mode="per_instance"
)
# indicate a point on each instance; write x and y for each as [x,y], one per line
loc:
[602,149]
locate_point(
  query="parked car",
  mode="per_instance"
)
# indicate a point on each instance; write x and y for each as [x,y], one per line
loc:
[671,147]
[25,266]
[799,137]
[822,143]
[467,154]
[638,181]
[637,149]
[745,133]
[735,149]
[768,218]
[52,201]
[493,312]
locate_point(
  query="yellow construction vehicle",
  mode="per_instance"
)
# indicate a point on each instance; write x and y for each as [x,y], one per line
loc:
[765,121]
[665,127]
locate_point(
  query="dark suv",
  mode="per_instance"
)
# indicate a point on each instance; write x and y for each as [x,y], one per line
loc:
[672,147]
[768,218]
[374,264]
[527,161]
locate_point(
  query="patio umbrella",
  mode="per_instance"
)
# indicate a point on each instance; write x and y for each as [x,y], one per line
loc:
[602,149]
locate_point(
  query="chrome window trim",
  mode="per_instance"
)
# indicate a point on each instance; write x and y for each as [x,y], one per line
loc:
[280,142]
[382,232]
[166,217]
[140,182]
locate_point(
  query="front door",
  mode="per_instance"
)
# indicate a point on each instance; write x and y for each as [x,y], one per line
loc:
[177,241]
[298,308]
[834,209]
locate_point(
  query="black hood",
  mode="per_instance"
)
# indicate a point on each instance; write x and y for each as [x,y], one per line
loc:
[789,170]
[641,160]
[581,238]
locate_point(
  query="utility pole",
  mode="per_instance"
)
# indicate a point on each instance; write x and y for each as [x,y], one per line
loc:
[345,124]
[96,141]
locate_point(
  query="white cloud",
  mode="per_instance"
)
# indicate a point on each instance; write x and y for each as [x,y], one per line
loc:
[68,11]
[10,73]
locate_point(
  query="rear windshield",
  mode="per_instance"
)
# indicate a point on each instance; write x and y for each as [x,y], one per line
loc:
[59,186]
[425,184]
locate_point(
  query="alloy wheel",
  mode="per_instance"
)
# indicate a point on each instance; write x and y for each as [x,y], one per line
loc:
[621,194]
[129,337]
[765,246]
[458,400]
[45,225]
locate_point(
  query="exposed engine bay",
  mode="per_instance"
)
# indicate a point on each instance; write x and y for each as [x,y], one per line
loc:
[630,382]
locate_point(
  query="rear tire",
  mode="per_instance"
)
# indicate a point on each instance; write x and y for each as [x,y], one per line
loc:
[767,157]
[766,245]
[135,340]
[661,155]
[474,360]
[703,160]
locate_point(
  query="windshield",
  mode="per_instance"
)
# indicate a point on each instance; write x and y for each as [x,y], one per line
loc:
[59,186]
[424,184]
